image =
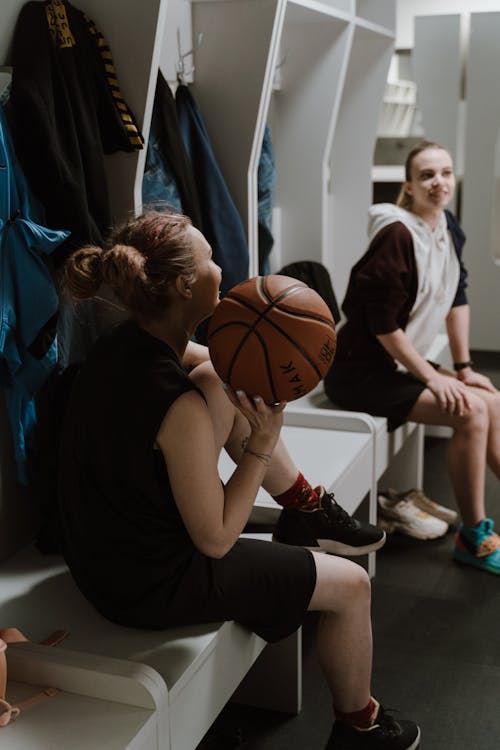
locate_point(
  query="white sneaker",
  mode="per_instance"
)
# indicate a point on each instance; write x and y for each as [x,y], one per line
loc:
[429,506]
[406,518]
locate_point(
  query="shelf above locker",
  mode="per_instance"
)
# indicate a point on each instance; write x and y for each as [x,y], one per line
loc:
[388,173]
[350,186]
[307,11]
[301,117]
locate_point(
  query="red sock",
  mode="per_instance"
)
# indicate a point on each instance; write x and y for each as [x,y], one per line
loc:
[362,719]
[300,495]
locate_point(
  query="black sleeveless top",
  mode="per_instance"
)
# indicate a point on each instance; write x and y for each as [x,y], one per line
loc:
[123,537]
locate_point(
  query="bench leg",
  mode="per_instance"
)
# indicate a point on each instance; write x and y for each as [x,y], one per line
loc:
[406,470]
[372,517]
[275,680]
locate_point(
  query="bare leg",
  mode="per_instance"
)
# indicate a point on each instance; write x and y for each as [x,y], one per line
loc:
[342,594]
[342,591]
[492,401]
[466,453]
[232,431]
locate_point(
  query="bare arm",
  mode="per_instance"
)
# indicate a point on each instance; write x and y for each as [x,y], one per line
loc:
[450,393]
[457,326]
[214,515]
[400,347]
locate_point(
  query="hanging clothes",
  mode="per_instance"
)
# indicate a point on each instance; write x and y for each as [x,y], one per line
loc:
[67,112]
[28,299]
[159,188]
[266,180]
[222,225]
[169,175]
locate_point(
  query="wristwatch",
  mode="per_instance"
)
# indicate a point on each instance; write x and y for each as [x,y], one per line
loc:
[462,365]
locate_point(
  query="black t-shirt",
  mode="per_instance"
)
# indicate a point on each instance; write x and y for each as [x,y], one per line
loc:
[123,537]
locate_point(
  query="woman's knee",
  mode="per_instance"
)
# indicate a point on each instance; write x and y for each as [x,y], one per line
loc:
[205,376]
[493,405]
[360,584]
[340,585]
[476,419]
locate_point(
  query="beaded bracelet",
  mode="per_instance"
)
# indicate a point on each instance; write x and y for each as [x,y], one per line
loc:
[264,457]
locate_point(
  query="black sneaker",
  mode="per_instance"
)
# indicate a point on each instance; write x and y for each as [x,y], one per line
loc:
[328,528]
[385,734]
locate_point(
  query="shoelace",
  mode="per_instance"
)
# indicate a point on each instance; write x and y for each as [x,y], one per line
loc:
[386,722]
[335,513]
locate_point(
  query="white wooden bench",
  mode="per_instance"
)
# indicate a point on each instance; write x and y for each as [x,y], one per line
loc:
[335,449]
[122,687]
[398,455]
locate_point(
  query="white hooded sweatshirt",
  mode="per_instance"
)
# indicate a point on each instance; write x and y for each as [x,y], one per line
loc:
[437,268]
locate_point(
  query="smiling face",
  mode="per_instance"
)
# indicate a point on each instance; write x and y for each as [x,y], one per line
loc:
[432,181]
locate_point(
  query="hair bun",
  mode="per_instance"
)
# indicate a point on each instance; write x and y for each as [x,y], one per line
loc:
[83,272]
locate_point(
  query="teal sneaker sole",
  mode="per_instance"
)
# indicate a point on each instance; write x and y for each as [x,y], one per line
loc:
[481,563]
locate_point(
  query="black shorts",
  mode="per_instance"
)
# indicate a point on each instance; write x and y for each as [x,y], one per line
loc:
[265,586]
[383,392]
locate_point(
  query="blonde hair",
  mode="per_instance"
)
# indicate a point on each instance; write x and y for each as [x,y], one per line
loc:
[142,261]
[404,199]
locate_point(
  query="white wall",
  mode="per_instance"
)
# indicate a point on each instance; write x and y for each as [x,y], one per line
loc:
[9,13]
[406,10]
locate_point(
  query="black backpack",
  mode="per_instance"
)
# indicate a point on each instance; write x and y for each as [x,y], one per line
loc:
[316,276]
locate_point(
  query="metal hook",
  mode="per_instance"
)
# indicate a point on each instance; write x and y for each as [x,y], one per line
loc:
[179,66]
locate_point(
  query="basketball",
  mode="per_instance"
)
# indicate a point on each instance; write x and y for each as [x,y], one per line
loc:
[272,336]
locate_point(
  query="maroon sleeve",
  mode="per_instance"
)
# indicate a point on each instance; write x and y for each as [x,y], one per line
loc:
[383,284]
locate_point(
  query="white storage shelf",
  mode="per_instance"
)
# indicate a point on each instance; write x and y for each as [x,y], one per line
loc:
[388,173]
[329,55]
[350,159]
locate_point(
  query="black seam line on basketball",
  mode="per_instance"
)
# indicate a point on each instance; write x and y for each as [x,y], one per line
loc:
[268,364]
[239,348]
[291,290]
[284,295]
[309,316]
[276,326]
[251,329]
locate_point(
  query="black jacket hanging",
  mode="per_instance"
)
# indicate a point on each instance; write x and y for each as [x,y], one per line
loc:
[67,112]
[172,150]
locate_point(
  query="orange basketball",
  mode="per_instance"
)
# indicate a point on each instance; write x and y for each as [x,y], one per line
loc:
[272,336]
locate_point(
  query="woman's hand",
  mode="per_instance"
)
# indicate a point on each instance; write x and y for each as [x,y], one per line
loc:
[265,421]
[475,379]
[450,393]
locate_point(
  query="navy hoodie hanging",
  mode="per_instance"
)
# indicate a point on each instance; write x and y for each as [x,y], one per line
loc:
[221,221]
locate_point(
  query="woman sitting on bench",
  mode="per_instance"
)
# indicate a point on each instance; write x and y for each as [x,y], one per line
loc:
[407,286]
[149,532]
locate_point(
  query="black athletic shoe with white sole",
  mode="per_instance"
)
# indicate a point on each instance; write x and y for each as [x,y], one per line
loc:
[327,528]
[385,734]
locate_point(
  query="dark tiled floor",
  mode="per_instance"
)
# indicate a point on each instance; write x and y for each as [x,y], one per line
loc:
[436,635]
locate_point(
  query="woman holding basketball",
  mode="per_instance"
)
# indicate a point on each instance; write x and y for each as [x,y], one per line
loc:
[149,532]
[408,285]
